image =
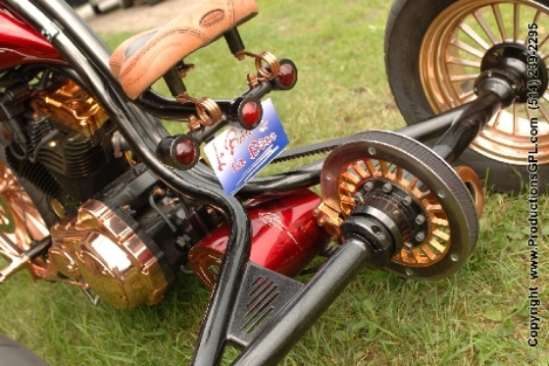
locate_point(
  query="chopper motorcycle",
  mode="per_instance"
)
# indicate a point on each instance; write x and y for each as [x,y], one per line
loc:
[98,195]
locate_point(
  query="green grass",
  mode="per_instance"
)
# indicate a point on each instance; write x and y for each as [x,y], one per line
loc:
[477,317]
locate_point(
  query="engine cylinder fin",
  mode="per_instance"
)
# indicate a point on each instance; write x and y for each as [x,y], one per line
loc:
[36,173]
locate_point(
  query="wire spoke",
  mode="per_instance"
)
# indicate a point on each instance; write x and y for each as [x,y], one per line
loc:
[516,120]
[536,17]
[485,27]
[528,112]
[499,19]
[516,27]
[465,47]
[497,120]
[540,45]
[466,77]
[466,95]
[462,62]
[544,112]
[473,35]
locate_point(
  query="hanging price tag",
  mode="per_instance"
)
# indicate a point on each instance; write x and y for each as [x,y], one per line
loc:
[237,155]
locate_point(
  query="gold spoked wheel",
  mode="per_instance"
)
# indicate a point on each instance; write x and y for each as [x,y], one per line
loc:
[453,48]
[20,221]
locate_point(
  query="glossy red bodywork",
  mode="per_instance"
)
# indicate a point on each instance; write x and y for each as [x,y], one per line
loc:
[285,238]
[21,44]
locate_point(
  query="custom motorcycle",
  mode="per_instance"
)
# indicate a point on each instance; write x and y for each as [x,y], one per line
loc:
[97,194]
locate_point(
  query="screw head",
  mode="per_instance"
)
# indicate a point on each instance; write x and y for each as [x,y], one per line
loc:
[407,201]
[420,219]
[368,186]
[372,150]
[387,187]
[420,236]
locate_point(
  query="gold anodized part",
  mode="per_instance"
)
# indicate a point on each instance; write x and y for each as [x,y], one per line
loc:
[71,107]
[355,174]
[101,249]
[473,184]
[451,56]
[20,224]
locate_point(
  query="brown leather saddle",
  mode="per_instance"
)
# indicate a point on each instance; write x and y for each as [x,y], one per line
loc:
[142,59]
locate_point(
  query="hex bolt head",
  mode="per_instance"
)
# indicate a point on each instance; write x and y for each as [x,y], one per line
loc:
[420,236]
[420,219]
[407,201]
[359,198]
[368,186]
[387,187]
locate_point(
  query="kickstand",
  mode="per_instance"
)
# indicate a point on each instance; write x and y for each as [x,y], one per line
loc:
[93,299]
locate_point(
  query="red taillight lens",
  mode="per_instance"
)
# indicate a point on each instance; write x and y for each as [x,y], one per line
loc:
[180,152]
[287,75]
[185,152]
[250,113]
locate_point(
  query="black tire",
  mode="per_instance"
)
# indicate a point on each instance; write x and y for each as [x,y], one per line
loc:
[13,354]
[407,25]
[124,4]
[96,10]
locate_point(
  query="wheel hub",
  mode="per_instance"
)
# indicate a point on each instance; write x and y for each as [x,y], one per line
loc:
[472,36]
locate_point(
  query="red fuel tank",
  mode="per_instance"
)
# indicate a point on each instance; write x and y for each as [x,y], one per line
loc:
[285,236]
[21,44]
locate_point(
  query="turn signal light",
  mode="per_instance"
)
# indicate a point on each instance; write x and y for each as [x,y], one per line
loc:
[180,151]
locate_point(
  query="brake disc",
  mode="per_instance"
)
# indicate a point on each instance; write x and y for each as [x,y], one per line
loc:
[393,176]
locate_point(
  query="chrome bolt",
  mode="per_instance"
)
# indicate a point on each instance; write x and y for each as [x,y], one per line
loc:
[387,187]
[359,198]
[407,201]
[420,219]
[420,236]
[372,150]
[368,186]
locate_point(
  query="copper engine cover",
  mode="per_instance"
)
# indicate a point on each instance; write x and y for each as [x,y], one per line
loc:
[99,249]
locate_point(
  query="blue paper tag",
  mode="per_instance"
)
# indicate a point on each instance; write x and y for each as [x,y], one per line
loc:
[237,155]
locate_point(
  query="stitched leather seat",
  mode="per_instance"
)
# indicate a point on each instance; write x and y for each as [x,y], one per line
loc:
[142,59]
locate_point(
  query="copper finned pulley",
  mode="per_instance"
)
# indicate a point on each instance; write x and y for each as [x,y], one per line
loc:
[399,180]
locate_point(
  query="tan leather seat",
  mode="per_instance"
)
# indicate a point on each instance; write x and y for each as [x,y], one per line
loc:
[142,59]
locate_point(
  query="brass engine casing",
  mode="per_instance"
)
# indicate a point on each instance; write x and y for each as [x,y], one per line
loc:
[101,250]
[71,107]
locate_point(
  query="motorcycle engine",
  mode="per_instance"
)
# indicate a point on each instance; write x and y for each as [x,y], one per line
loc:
[118,232]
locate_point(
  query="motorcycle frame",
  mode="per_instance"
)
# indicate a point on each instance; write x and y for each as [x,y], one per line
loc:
[88,56]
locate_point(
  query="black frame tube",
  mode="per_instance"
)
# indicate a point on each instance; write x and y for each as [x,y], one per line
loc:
[293,320]
[466,128]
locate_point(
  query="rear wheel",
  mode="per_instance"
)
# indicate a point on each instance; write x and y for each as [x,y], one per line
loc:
[433,55]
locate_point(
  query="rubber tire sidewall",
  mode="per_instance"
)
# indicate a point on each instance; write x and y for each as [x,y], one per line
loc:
[14,354]
[404,34]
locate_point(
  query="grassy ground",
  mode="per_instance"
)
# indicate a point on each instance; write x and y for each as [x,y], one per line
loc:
[477,317]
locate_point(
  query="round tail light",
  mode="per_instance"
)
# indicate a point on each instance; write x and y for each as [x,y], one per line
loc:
[180,151]
[250,113]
